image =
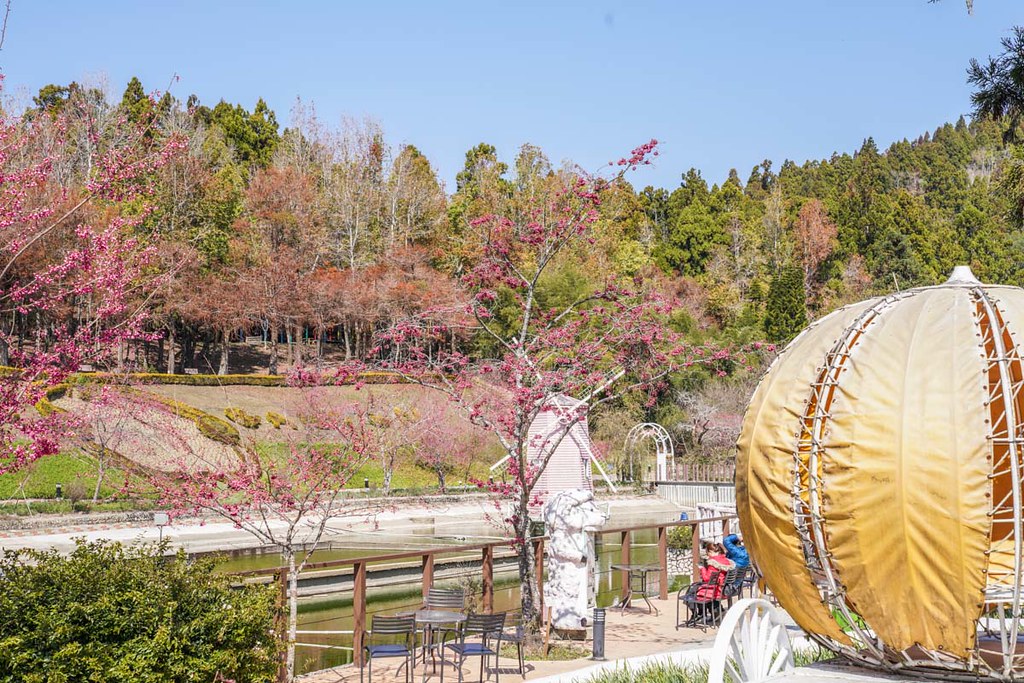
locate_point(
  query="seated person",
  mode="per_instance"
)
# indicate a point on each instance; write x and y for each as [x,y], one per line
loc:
[737,553]
[714,565]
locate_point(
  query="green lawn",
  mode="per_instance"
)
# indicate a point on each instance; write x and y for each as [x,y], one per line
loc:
[73,470]
[76,472]
[407,474]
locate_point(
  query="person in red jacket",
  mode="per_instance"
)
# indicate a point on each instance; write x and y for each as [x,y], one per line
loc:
[706,604]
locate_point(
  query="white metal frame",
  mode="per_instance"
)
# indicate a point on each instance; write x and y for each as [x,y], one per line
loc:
[664,453]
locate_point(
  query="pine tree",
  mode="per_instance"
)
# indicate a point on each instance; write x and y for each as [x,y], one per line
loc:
[785,314]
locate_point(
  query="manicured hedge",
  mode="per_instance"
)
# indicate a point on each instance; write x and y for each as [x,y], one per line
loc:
[240,417]
[276,419]
[210,426]
[210,380]
[45,405]
[375,377]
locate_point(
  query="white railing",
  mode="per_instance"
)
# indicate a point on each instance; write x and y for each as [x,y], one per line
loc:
[693,493]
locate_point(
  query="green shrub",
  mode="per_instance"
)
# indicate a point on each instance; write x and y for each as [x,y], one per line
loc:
[45,406]
[277,420]
[211,380]
[218,430]
[210,426]
[680,538]
[240,417]
[654,672]
[109,613]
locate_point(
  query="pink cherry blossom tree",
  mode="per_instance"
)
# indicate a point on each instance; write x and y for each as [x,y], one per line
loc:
[288,500]
[74,185]
[611,341]
[442,448]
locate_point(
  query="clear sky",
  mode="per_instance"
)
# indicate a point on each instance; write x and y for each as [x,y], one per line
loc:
[721,83]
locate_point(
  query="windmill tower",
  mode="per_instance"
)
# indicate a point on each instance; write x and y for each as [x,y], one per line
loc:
[572,459]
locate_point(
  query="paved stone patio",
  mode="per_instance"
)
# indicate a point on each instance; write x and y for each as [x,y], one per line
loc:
[633,634]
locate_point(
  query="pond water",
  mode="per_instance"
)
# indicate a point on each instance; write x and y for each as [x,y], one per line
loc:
[323,650]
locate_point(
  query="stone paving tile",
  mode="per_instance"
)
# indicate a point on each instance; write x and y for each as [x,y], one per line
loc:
[632,634]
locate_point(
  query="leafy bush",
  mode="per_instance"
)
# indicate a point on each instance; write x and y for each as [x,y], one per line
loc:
[210,426]
[680,538]
[277,420]
[217,429]
[111,613]
[239,416]
[45,407]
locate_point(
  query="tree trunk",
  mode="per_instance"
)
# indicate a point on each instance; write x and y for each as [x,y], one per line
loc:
[441,481]
[389,472]
[299,352]
[223,366]
[348,342]
[293,614]
[272,368]
[527,567]
[170,350]
[101,470]
[5,352]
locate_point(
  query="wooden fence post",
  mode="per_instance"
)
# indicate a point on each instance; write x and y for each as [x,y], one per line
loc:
[663,561]
[358,611]
[428,574]
[725,528]
[624,558]
[488,582]
[695,554]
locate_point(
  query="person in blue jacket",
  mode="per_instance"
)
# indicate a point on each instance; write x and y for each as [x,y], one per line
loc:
[735,551]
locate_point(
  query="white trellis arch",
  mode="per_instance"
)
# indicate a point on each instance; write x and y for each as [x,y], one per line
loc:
[664,453]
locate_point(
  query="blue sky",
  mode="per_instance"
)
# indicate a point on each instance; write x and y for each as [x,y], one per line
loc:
[721,84]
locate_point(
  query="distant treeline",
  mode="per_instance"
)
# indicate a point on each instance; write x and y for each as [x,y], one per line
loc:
[318,232]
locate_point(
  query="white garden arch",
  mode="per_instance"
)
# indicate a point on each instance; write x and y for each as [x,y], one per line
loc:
[664,453]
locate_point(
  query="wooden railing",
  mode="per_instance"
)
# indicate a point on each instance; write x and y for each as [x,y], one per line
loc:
[427,556]
[626,540]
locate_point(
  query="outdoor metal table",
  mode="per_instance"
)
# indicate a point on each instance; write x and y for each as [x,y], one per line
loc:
[637,573]
[429,619]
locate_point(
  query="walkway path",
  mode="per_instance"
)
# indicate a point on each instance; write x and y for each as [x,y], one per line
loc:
[632,634]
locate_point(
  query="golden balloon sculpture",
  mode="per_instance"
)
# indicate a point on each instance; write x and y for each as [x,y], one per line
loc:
[879,480]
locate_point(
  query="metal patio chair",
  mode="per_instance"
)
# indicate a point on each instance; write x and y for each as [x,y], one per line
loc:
[489,628]
[451,599]
[703,608]
[748,582]
[401,629]
[515,633]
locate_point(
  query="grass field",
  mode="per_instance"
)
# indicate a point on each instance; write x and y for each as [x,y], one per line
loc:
[76,472]
[407,475]
[73,470]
